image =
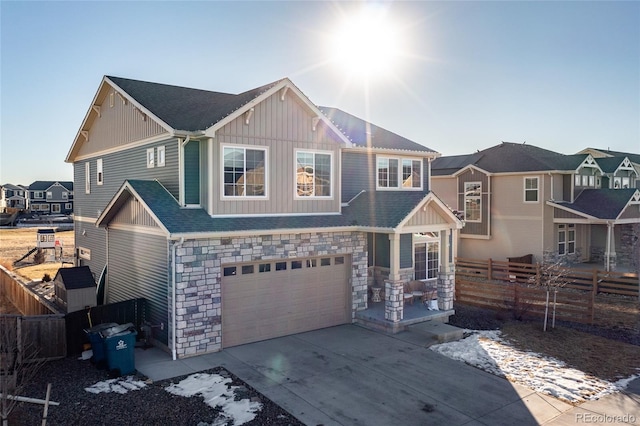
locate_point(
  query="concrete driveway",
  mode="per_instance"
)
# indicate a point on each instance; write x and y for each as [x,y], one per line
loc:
[349,375]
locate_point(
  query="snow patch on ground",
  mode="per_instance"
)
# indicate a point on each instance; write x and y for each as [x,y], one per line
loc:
[214,388]
[121,385]
[216,392]
[488,351]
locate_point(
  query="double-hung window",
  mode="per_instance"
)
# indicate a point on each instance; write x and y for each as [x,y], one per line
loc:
[566,239]
[313,174]
[401,173]
[99,174]
[473,201]
[531,189]
[244,172]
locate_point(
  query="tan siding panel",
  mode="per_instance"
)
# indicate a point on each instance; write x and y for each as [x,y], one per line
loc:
[118,125]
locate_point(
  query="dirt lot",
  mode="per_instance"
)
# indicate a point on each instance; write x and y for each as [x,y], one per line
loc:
[16,242]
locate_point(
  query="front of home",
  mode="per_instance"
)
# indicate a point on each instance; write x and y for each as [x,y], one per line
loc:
[13,197]
[51,197]
[518,199]
[242,217]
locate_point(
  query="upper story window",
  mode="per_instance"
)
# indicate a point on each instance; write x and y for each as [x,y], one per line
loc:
[150,158]
[160,151]
[621,182]
[401,173]
[99,174]
[313,174]
[49,195]
[38,194]
[472,201]
[244,172]
[87,178]
[65,195]
[531,189]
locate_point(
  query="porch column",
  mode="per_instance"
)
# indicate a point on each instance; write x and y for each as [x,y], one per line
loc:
[610,253]
[394,287]
[446,287]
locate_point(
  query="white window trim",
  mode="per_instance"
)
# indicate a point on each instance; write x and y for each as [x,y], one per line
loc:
[99,172]
[55,208]
[464,202]
[295,175]
[68,206]
[49,195]
[399,177]
[87,177]
[266,173]
[525,190]
[65,195]
[564,229]
[150,158]
[161,155]
[38,195]
[427,240]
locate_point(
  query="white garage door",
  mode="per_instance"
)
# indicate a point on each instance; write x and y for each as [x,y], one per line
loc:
[281,297]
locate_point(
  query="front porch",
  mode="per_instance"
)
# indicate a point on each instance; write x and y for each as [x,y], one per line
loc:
[373,317]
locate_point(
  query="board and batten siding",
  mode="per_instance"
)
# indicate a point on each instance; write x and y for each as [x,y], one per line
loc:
[138,267]
[118,123]
[282,127]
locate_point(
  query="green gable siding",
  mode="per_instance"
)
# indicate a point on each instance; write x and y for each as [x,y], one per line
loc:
[192,173]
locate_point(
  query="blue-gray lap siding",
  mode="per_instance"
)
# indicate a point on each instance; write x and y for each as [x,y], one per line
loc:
[138,267]
[117,167]
[359,172]
[380,250]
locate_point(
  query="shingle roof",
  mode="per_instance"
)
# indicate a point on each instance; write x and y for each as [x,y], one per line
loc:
[633,156]
[41,185]
[77,277]
[513,157]
[365,134]
[184,108]
[601,203]
[609,164]
[380,209]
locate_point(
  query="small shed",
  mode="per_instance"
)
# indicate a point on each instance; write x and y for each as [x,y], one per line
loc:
[46,238]
[75,288]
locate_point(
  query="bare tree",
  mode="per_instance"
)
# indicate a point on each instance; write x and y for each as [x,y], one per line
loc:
[19,363]
[551,277]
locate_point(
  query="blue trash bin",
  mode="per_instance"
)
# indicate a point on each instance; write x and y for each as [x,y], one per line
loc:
[97,342]
[120,353]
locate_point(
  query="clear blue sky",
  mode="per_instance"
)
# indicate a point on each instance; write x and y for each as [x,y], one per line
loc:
[560,75]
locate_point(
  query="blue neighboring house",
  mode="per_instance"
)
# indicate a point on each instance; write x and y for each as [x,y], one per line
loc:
[51,197]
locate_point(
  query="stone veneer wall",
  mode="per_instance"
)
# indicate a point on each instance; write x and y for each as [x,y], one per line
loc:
[198,266]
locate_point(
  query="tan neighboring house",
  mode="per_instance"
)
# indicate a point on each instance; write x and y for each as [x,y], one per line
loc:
[518,199]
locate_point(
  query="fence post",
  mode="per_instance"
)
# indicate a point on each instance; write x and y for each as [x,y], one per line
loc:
[490,269]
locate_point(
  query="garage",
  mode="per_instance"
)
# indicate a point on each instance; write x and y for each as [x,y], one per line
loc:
[268,299]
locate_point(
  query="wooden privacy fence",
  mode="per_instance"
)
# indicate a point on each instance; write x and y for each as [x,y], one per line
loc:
[571,305]
[17,292]
[37,338]
[594,280]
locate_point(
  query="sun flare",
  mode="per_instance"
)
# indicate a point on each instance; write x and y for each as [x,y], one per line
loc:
[366,45]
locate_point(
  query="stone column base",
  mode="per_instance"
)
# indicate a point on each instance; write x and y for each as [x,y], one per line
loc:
[446,290]
[394,301]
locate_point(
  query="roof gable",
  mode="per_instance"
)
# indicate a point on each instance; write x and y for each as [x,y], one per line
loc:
[606,204]
[43,185]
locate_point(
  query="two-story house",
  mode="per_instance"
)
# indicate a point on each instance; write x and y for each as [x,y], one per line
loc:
[519,199]
[51,197]
[242,217]
[13,197]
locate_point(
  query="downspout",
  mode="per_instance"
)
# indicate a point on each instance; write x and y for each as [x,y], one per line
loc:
[173,298]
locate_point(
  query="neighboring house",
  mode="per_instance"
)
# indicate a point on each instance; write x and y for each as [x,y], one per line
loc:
[51,197]
[13,197]
[618,166]
[245,217]
[519,199]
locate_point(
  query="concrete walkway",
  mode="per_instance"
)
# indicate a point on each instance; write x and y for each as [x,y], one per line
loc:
[349,375]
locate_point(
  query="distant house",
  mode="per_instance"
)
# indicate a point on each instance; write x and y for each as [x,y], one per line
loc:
[243,217]
[51,197]
[13,197]
[518,199]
